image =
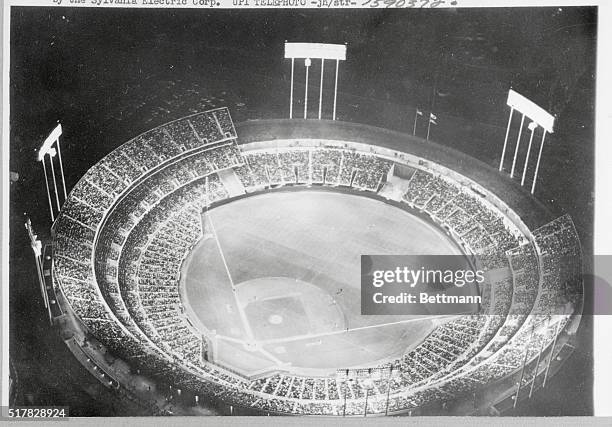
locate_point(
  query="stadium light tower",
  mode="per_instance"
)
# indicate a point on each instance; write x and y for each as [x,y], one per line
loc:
[50,149]
[309,51]
[540,118]
[36,245]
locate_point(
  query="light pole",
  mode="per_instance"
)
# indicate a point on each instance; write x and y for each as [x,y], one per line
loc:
[518,387]
[365,407]
[552,353]
[388,390]
[368,383]
[336,89]
[532,128]
[535,176]
[59,155]
[501,162]
[321,87]
[52,152]
[535,374]
[307,63]
[291,93]
[518,142]
[345,389]
[48,191]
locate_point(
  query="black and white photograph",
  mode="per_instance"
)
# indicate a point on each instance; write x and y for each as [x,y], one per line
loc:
[379,211]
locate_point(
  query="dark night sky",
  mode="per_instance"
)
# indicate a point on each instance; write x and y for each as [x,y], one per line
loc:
[111,74]
[91,69]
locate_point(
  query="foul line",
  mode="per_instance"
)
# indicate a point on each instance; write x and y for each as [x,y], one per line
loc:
[344,331]
[261,350]
[245,322]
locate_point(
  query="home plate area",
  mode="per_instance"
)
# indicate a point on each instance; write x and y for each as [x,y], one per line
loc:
[280,307]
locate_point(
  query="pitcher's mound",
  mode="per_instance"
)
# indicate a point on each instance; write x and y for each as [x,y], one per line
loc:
[282,307]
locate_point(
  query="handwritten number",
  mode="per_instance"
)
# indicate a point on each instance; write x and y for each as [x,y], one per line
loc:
[406,3]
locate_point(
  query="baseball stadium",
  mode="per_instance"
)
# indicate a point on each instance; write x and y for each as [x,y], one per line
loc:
[206,264]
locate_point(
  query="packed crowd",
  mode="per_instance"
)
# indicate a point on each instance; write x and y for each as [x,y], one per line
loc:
[559,248]
[525,272]
[150,264]
[157,220]
[94,195]
[313,166]
[467,215]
